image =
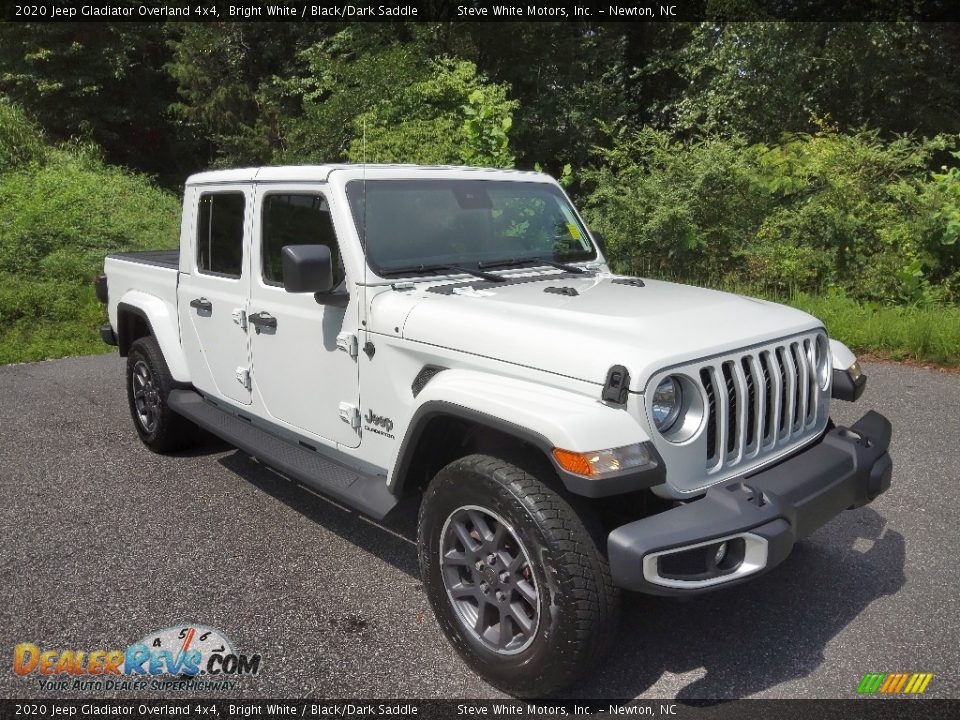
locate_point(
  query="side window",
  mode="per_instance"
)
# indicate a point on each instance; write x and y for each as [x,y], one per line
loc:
[220,233]
[296,219]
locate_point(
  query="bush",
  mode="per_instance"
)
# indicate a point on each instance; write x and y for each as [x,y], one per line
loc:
[451,116]
[57,222]
[675,209]
[20,140]
[843,210]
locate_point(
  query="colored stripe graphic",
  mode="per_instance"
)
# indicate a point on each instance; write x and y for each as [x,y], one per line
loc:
[871,683]
[894,683]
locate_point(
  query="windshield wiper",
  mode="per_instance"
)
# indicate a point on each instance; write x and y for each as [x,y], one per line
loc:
[541,260]
[490,277]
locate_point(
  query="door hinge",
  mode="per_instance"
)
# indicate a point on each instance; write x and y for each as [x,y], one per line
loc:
[350,414]
[348,342]
[243,377]
[240,318]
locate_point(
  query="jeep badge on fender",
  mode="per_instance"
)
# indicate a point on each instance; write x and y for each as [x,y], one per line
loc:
[572,433]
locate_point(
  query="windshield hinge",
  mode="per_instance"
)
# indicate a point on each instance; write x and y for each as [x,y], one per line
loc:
[347,342]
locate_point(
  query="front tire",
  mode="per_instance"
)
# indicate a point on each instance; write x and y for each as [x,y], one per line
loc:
[514,576]
[148,385]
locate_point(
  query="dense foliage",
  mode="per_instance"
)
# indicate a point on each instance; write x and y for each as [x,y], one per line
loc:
[61,211]
[776,157]
[841,210]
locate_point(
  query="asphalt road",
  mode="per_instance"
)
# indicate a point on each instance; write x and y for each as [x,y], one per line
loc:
[104,542]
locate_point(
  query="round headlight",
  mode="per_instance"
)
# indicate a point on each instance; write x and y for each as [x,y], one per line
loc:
[823,362]
[665,407]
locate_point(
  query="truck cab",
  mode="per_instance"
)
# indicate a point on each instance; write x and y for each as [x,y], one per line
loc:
[377,331]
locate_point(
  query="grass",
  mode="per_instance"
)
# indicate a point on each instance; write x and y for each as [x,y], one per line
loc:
[42,338]
[928,334]
[59,217]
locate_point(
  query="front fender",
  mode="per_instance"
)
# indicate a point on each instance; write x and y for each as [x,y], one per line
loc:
[542,416]
[843,357]
[164,326]
[849,381]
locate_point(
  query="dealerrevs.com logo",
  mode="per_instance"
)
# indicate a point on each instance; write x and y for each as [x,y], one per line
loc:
[187,657]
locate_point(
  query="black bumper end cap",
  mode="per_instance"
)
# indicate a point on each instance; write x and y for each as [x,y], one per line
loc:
[100,286]
[846,388]
[108,335]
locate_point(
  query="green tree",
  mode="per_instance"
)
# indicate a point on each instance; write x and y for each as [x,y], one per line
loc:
[343,76]
[96,81]
[762,79]
[230,85]
[452,116]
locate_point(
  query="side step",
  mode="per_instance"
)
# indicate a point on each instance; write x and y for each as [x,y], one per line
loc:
[367,493]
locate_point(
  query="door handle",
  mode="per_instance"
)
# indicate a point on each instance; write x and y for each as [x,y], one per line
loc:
[262,320]
[201,303]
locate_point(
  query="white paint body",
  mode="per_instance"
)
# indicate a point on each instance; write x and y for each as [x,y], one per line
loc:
[515,353]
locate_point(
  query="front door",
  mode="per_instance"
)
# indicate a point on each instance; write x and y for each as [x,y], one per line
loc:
[305,371]
[213,290]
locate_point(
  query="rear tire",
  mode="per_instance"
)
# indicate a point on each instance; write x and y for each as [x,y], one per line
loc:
[516,580]
[148,386]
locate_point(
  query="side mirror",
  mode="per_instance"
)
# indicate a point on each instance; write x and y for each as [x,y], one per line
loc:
[599,240]
[307,268]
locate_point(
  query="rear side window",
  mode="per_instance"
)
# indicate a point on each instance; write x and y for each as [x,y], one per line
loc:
[220,234]
[296,219]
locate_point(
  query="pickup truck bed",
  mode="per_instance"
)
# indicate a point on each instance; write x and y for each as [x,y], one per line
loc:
[163,258]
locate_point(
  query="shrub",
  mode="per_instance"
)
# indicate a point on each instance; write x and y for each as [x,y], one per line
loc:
[451,116]
[844,210]
[57,222]
[20,140]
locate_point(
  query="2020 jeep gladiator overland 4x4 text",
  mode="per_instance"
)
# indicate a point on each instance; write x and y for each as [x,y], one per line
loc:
[374,331]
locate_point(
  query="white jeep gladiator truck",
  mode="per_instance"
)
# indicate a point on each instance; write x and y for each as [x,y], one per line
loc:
[374,331]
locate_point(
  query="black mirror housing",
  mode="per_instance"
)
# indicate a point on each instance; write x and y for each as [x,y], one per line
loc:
[307,268]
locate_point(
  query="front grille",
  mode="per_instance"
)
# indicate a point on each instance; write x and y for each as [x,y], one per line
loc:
[759,401]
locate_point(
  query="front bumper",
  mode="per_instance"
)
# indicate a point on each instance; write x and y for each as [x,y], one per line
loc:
[757,519]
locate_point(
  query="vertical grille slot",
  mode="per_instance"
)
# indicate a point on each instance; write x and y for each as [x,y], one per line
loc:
[784,391]
[751,399]
[711,415]
[803,367]
[732,408]
[795,395]
[769,415]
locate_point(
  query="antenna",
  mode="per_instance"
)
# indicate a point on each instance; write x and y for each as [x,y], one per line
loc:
[363,229]
[364,171]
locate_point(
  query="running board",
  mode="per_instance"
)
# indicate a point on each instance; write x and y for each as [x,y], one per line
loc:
[367,493]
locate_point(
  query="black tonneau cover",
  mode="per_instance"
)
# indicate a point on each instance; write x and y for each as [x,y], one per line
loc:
[163,258]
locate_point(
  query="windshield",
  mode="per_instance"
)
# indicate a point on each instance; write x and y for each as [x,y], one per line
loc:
[412,225]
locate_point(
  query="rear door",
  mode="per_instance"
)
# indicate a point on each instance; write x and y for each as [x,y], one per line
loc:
[214,290]
[305,370]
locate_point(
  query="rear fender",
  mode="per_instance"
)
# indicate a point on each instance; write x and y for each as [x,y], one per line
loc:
[164,325]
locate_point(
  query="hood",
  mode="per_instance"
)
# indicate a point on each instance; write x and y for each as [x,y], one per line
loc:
[538,321]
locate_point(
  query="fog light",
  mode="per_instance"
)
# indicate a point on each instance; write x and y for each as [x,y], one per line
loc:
[720,554]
